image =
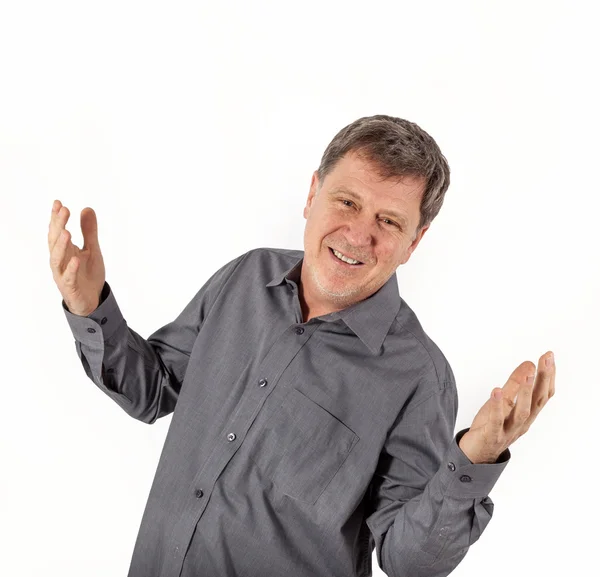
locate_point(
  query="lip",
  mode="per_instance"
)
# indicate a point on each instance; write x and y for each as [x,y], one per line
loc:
[341,262]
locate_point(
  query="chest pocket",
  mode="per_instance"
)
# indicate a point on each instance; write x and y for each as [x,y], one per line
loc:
[302,446]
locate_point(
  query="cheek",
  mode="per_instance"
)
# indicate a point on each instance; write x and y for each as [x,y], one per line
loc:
[388,253]
[322,228]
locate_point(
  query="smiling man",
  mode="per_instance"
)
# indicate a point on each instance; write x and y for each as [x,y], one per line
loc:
[313,418]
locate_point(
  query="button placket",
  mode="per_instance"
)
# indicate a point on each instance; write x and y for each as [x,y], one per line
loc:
[278,356]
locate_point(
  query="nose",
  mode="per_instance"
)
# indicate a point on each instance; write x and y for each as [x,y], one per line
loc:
[359,235]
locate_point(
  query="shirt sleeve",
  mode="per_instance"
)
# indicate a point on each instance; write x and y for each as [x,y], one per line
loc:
[143,376]
[429,502]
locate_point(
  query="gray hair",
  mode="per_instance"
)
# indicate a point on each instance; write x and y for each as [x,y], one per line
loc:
[397,148]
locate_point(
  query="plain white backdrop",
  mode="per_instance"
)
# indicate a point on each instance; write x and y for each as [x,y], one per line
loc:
[193,129]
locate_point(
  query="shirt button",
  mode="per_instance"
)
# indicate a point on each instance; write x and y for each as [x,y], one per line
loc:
[452,466]
[298,330]
[103,321]
[91,330]
[465,478]
[231,437]
[199,493]
[262,382]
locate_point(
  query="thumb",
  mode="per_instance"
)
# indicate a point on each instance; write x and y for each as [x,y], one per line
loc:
[89,228]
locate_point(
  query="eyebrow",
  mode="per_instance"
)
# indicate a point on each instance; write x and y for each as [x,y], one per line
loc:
[400,217]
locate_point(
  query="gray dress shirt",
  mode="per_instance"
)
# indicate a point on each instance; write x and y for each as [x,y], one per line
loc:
[295,448]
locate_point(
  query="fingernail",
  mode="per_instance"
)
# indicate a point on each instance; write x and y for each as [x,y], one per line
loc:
[550,360]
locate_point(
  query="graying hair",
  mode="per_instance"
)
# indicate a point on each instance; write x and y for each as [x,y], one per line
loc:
[396,148]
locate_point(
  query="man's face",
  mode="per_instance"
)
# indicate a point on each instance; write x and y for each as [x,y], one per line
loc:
[375,225]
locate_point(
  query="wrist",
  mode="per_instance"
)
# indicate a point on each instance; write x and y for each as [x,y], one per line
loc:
[478,459]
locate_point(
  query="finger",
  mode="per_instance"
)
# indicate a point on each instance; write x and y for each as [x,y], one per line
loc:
[542,386]
[70,276]
[496,420]
[58,221]
[56,206]
[551,386]
[52,227]
[58,256]
[519,415]
[518,376]
[89,228]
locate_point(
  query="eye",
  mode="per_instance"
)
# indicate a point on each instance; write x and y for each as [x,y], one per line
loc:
[385,219]
[391,221]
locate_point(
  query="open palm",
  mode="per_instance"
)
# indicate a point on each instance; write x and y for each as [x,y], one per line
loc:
[78,273]
[500,422]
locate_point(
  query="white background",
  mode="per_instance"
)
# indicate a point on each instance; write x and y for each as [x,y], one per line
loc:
[193,128]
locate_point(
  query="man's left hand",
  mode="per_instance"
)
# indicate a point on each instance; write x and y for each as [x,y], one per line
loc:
[501,421]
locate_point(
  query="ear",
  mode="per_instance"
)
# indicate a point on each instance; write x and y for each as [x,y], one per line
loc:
[314,182]
[414,244]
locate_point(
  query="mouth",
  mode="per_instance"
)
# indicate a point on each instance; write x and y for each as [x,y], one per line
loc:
[341,262]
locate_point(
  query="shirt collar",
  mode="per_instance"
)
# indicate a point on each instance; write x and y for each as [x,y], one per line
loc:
[370,319]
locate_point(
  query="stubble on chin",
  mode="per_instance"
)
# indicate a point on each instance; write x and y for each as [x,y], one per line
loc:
[341,297]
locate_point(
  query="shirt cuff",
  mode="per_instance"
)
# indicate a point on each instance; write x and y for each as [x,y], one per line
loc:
[100,324]
[464,479]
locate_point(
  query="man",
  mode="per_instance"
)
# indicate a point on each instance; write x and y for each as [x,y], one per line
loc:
[313,417]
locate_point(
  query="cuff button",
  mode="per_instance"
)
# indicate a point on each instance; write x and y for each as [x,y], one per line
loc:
[452,466]
[465,478]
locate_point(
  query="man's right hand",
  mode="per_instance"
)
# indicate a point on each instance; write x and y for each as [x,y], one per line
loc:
[78,273]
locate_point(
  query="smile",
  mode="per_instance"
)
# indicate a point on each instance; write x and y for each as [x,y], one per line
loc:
[341,262]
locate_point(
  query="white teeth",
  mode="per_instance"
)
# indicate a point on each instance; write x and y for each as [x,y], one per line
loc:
[344,258]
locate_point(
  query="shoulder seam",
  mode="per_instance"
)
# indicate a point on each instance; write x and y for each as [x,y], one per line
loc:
[241,257]
[442,384]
